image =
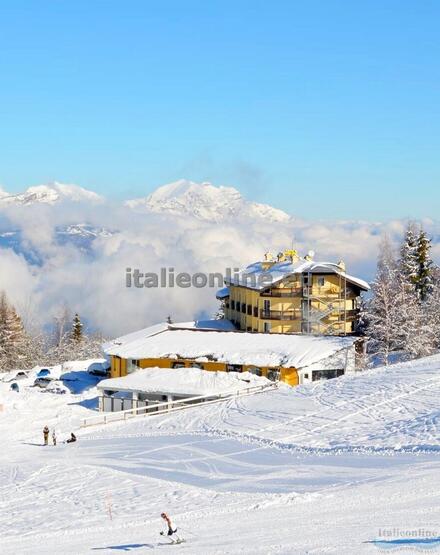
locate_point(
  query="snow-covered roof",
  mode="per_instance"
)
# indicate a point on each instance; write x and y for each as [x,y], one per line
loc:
[221,325]
[182,381]
[258,349]
[222,293]
[134,336]
[256,277]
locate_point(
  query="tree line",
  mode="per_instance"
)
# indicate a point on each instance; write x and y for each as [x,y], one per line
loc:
[64,340]
[403,312]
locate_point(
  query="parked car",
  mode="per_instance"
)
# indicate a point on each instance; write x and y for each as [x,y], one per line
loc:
[101,369]
[15,375]
[42,382]
[43,373]
[56,389]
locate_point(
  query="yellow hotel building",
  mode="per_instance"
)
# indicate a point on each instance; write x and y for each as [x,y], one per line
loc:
[289,294]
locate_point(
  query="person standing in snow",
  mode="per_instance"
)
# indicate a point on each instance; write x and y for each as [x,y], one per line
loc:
[171,532]
[54,437]
[46,435]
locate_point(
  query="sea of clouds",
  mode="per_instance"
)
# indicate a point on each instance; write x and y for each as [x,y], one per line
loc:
[92,281]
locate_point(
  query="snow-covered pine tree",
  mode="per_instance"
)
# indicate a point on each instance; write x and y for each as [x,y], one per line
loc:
[380,312]
[3,331]
[425,266]
[414,335]
[408,261]
[14,342]
[220,314]
[76,334]
[431,308]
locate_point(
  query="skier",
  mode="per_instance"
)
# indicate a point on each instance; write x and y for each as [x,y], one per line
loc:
[171,532]
[54,437]
[46,435]
[72,438]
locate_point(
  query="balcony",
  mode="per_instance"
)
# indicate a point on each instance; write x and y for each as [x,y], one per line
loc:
[295,314]
[285,292]
[327,293]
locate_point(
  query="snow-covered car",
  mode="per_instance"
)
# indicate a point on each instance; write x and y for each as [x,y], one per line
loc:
[42,382]
[43,373]
[53,388]
[15,375]
[99,369]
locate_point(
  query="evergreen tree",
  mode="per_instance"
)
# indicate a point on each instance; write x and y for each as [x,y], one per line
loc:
[76,334]
[432,309]
[380,313]
[220,314]
[414,334]
[425,266]
[13,338]
[408,262]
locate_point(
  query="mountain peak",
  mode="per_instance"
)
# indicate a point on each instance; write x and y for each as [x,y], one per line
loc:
[50,193]
[204,201]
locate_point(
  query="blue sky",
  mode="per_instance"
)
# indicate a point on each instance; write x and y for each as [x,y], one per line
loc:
[325,109]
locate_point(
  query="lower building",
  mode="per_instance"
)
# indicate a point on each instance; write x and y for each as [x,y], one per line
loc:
[293,359]
[152,389]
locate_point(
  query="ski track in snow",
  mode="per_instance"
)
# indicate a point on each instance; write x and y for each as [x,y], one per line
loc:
[315,469]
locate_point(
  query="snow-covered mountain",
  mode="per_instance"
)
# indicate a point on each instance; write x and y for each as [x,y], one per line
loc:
[206,202]
[181,198]
[81,236]
[51,193]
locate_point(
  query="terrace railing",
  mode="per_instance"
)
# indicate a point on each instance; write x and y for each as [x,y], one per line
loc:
[157,409]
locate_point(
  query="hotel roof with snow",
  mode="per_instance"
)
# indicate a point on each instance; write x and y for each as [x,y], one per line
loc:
[203,344]
[255,276]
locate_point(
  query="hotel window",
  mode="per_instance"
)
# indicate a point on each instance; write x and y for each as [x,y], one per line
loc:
[266,327]
[321,281]
[243,308]
[234,368]
[232,305]
[255,370]
[256,311]
[249,310]
[132,365]
[178,364]
[273,375]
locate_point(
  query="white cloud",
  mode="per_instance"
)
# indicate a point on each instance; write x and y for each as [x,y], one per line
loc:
[94,283]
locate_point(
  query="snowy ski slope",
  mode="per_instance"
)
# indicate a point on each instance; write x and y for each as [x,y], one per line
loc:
[322,468]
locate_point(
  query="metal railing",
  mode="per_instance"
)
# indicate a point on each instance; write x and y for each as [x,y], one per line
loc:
[285,292]
[172,406]
[294,314]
